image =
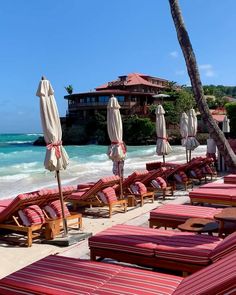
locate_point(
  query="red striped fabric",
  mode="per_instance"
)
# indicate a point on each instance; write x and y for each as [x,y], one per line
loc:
[139,282]
[231,178]
[56,275]
[183,212]
[217,194]
[56,206]
[227,246]
[190,249]
[216,185]
[100,184]
[34,214]
[181,176]
[174,245]
[141,188]
[218,278]
[109,194]
[159,182]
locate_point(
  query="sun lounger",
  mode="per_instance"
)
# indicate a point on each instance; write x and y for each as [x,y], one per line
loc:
[137,175]
[94,195]
[24,214]
[213,196]
[217,185]
[172,215]
[231,178]
[168,249]
[138,191]
[69,276]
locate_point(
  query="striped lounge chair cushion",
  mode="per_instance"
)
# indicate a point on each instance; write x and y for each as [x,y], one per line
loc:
[159,182]
[69,276]
[128,238]
[102,183]
[231,178]
[139,282]
[191,248]
[213,194]
[61,275]
[196,173]
[218,186]
[138,188]
[108,195]
[181,177]
[218,278]
[227,246]
[55,211]
[182,212]
[34,214]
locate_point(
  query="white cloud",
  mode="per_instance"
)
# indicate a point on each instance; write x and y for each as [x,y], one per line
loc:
[207,70]
[174,54]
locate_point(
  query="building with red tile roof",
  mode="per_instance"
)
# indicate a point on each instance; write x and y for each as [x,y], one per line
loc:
[134,92]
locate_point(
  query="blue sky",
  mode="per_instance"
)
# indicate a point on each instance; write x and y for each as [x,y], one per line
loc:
[87,43]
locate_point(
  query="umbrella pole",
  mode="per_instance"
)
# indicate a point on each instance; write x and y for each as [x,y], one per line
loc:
[62,203]
[163,159]
[121,181]
[189,155]
[186,154]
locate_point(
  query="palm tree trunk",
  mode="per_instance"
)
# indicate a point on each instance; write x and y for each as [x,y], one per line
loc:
[193,72]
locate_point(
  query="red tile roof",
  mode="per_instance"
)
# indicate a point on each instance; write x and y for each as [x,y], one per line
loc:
[134,79]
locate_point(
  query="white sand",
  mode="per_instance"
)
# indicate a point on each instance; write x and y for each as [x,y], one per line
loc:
[15,257]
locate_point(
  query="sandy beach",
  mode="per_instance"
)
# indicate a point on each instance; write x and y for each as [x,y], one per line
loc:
[15,257]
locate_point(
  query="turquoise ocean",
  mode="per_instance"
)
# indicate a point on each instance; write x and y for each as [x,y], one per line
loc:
[22,169]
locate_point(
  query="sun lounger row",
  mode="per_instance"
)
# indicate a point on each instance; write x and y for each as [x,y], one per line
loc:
[169,249]
[69,276]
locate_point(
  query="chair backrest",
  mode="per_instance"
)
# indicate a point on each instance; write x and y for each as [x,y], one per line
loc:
[224,248]
[108,195]
[153,175]
[137,175]
[218,278]
[138,188]
[99,185]
[21,201]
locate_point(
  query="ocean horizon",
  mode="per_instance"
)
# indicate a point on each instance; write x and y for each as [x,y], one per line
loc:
[22,163]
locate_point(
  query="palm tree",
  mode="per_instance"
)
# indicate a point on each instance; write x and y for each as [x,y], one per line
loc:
[193,72]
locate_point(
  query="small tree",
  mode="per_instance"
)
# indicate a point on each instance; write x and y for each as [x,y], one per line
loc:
[69,89]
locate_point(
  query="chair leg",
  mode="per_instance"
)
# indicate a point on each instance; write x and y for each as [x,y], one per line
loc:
[110,210]
[29,237]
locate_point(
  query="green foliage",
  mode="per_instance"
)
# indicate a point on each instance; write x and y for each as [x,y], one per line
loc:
[138,130]
[69,89]
[231,112]
[171,115]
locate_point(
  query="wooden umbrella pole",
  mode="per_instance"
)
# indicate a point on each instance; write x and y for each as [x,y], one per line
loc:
[186,155]
[163,159]
[121,181]
[62,203]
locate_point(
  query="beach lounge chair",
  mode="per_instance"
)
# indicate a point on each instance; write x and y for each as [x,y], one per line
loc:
[217,185]
[169,249]
[69,276]
[97,197]
[213,196]
[24,215]
[137,175]
[140,194]
[172,215]
[231,178]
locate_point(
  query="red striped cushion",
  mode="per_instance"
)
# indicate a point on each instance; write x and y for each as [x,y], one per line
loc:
[227,246]
[231,178]
[139,282]
[109,194]
[140,187]
[183,212]
[56,275]
[190,248]
[56,206]
[217,194]
[159,182]
[218,278]
[34,214]
[181,176]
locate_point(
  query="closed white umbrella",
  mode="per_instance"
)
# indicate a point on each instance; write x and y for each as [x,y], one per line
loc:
[191,142]
[56,157]
[117,149]
[162,146]
[184,130]
[226,127]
